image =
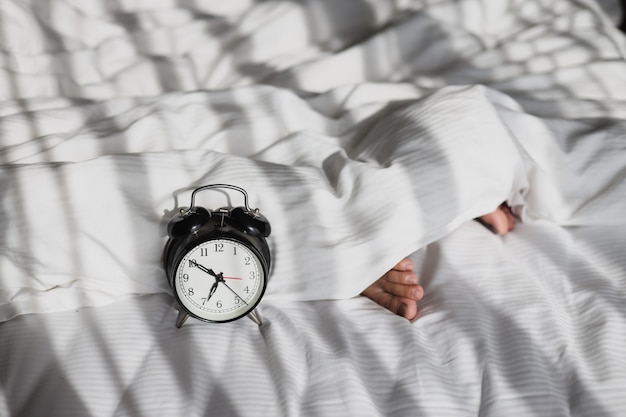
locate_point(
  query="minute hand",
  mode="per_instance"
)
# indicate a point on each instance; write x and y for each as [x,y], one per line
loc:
[233,291]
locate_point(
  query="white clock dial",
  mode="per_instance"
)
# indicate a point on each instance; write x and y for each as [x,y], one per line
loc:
[219,280]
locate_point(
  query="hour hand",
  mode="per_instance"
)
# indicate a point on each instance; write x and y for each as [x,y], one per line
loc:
[204,268]
[212,290]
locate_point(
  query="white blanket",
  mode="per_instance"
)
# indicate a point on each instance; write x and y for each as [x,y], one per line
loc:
[371,171]
[365,132]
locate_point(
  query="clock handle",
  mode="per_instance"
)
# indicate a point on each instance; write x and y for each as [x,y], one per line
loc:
[211,186]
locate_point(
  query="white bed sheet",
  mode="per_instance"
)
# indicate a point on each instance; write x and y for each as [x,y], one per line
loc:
[529,325]
[365,131]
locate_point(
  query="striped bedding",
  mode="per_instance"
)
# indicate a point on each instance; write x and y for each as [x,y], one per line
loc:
[365,131]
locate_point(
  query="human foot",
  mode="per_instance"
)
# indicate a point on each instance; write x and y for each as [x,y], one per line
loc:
[500,221]
[398,290]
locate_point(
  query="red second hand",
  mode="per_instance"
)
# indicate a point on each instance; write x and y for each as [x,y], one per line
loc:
[233,278]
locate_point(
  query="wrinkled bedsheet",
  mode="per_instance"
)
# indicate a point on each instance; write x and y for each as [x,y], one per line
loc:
[365,132]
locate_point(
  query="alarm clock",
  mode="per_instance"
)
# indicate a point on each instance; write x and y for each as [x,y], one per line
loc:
[217,262]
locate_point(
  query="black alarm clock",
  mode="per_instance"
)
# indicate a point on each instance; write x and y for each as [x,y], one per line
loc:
[217,262]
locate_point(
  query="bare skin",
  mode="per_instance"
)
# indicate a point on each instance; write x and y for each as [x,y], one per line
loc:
[399,289]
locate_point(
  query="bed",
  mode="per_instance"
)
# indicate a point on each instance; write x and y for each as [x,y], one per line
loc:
[365,131]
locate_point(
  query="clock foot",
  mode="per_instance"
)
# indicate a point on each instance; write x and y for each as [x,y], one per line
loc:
[255,317]
[181,319]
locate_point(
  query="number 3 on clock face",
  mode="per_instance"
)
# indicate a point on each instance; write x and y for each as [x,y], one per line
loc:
[219,280]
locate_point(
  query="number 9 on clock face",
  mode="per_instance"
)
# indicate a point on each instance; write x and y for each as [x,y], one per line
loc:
[219,280]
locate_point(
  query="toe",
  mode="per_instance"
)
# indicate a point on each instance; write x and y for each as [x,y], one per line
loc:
[398,290]
[407,277]
[404,265]
[499,221]
[407,309]
[409,291]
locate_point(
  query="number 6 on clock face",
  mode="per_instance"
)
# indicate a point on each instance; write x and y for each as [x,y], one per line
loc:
[219,280]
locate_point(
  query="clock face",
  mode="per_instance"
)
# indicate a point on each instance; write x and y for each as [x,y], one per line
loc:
[219,280]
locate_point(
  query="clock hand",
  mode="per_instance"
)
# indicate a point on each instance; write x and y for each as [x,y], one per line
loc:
[218,277]
[212,290]
[252,314]
[231,290]
[237,278]
[203,268]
